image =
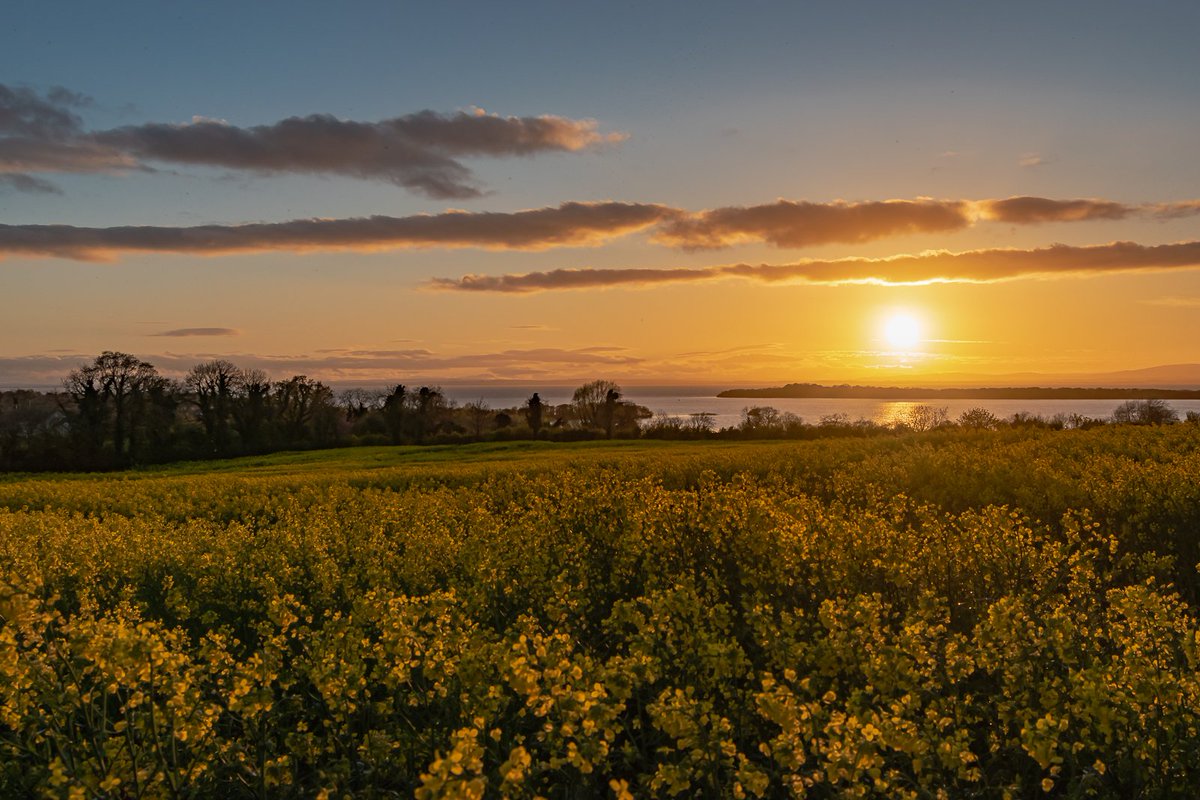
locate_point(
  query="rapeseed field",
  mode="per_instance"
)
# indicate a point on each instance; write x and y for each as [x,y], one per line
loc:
[948,615]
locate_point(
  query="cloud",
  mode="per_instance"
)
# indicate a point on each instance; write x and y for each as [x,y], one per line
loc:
[534,229]
[784,223]
[21,182]
[553,370]
[382,366]
[585,278]
[1035,210]
[45,134]
[972,266]
[1031,160]
[419,151]
[1177,210]
[180,332]
[24,113]
[787,223]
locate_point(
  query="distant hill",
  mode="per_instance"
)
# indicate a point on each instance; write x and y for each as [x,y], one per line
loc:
[1165,376]
[801,390]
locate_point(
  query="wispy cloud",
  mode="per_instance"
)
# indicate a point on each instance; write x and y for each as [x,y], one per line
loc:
[1175,302]
[571,224]
[381,365]
[1176,210]
[972,266]
[1029,160]
[420,151]
[20,182]
[185,332]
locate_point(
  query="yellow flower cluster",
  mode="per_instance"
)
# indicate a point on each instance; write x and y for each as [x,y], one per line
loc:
[959,614]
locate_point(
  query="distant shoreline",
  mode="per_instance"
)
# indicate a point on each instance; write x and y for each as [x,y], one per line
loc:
[803,390]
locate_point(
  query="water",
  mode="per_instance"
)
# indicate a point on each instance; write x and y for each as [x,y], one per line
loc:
[727,411]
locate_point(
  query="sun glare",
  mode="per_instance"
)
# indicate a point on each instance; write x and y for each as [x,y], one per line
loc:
[902,331]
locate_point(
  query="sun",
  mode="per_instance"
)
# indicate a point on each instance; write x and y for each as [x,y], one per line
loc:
[901,331]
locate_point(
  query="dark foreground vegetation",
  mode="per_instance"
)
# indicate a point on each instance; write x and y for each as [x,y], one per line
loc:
[119,412]
[958,613]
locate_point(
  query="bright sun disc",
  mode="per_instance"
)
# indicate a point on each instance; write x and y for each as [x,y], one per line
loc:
[901,332]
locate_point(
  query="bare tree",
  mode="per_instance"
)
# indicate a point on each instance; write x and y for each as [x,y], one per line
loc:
[213,385]
[925,418]
[1152,411]
[358,403]
[979,419]
[590,401]
[478,415]
[115,385]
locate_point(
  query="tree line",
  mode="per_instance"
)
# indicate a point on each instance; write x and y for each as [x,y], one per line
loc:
[119,411]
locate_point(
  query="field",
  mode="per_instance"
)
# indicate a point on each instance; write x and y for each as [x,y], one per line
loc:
[952,614]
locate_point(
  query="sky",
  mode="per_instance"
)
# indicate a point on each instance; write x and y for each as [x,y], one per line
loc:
[651,193]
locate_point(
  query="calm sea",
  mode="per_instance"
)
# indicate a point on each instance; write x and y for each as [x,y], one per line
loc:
[727,411]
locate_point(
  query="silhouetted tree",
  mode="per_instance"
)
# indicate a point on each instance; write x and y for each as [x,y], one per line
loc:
[112,386]
[534,410]
[478,414]
[759,419]
[923,417]
[358,403]
[609,410]
[88,417]
[252,408]
[213,385]
[1145,412]
[304,406]
[590,401]
[430,406]
[395,413]
[979,419]
[153,433]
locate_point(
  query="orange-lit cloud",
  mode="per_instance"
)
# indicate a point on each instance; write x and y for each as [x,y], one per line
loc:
[534,229]
[972,266]
[787,223]
[419,151]
[1178,210]
[1034,210]
[784,223]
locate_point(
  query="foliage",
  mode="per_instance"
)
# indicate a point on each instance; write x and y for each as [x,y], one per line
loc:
[954,614]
